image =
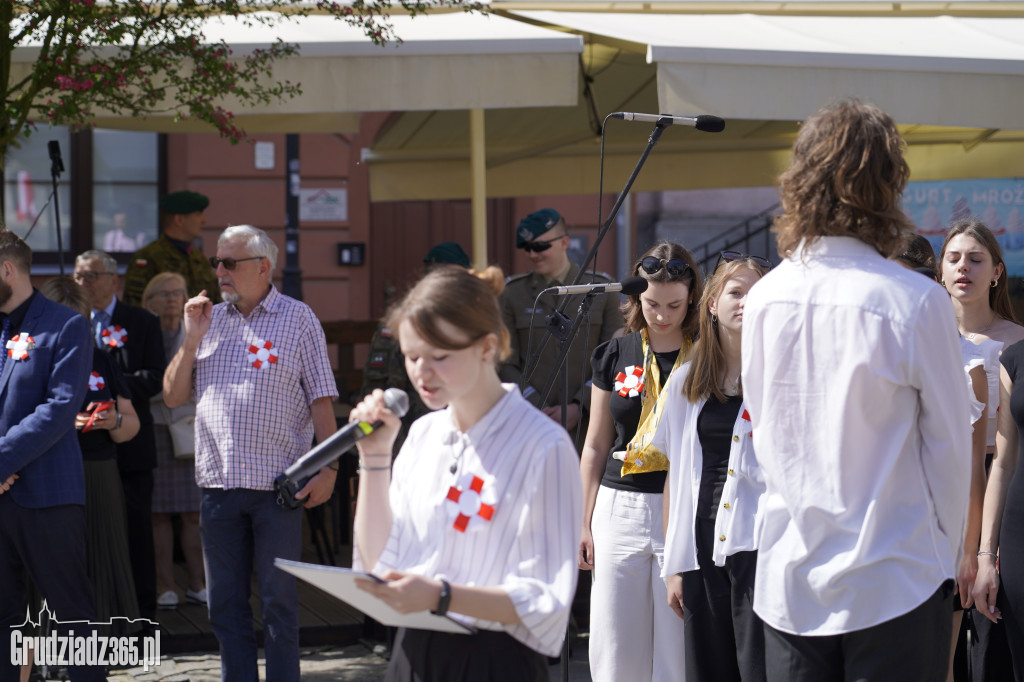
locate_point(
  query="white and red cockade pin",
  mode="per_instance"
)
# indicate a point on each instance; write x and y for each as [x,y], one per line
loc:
[470,502]
[630,383]
[114,336]
[19,345]
[262,354]
[96,382]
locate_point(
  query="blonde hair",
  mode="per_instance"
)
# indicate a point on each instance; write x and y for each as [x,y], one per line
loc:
[157,281]
[707,358]
[65,290]
[465,299]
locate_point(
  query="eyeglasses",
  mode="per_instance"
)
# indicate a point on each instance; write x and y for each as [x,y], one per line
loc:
[230,263]
[169,294]
[539,245]
[89,277]
[675,267]
[730,256]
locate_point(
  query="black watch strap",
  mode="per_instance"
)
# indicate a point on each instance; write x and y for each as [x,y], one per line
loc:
[445,600]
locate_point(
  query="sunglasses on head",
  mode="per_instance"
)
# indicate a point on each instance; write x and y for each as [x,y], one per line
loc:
[539,245]
[730,256]
[229,263]
[675,267]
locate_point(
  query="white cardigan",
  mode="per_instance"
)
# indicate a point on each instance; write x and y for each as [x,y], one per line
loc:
[738,515]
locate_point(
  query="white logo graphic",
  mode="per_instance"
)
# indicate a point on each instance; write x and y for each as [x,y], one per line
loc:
[90,649]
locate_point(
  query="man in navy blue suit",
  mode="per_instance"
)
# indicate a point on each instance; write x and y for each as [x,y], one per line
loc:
[133,338]
[44,373]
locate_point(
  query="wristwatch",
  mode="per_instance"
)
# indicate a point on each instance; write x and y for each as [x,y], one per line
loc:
[446,598]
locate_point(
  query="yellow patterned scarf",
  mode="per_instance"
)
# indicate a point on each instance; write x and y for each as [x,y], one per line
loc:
[641,456]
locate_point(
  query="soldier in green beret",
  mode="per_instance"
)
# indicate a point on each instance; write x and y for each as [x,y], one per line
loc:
[181,223]
[544,236]
[385,365]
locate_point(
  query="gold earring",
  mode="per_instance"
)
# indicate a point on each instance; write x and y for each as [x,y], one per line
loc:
[995,283]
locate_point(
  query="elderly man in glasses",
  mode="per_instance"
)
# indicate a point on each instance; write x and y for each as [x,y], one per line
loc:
[545,238]
[133,338]
[257,366]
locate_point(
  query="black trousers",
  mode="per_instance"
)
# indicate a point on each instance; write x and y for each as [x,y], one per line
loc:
[50,544]
[914,646]
[487,656]
[724,637]
[138,500]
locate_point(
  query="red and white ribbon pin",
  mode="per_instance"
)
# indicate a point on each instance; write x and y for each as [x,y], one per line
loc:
[19,345]
[630,383]
[262,354]
[96,382]
[465,502]
[114,336]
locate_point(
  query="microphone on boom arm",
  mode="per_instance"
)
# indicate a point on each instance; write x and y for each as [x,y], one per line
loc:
[631,286]
[705,122]
[295,476]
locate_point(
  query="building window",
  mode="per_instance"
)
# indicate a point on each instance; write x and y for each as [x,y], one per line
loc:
[108,193]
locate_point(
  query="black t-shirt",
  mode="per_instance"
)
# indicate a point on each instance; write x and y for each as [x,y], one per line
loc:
[619,369]
[105,383]
[714,429]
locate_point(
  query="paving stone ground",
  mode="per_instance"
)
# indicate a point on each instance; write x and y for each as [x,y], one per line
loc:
[354,663]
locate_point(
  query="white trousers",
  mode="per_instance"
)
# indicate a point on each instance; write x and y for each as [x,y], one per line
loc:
[634,634]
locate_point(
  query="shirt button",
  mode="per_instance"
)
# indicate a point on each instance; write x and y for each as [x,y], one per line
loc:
[736,439]
[722,538]
[732,472]
[726,505]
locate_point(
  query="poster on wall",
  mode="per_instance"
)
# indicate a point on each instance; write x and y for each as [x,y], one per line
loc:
[997,202]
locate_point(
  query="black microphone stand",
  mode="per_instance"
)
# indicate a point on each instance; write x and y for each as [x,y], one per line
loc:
[558,321]
[56,168]
[565,330]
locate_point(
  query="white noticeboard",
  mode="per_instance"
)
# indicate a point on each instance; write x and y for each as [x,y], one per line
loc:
[341,583]
[324,205]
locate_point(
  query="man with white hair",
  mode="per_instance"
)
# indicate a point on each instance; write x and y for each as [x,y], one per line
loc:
[257,365]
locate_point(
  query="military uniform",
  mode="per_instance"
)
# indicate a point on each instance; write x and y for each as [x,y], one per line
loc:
[385,367]
[163,256]
[517,311]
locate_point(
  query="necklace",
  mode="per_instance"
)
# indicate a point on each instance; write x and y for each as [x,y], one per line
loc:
[453,439]
[970,335]
[731,387]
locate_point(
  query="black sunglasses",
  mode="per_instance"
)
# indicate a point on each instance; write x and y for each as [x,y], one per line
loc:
[230,263]
[730,256]
[675,266]
[539,245]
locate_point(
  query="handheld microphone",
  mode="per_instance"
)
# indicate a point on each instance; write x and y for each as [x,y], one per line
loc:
[631,286]
[295,476]
[705,122]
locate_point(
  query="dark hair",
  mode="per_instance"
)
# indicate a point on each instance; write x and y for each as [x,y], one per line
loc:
[846,180]
[633,310]
[465,299]
[14,249]
[999,295]
[66,291]
[917,253]
[707,359]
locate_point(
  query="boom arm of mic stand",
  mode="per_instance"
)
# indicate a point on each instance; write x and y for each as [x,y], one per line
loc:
[532,362]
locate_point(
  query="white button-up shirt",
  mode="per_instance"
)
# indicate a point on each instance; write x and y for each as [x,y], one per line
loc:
[254,381]
[736,518]
[853,378]
[510,515]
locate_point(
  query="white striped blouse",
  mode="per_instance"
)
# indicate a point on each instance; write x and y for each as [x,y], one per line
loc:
[509,516]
